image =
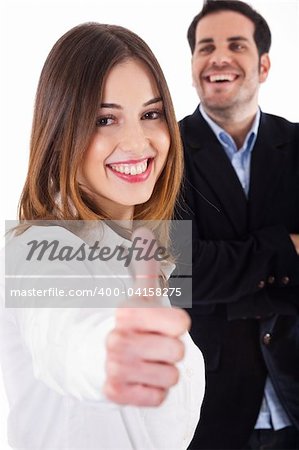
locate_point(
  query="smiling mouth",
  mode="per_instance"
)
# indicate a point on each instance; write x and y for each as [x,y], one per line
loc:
[221,78]
[131,169]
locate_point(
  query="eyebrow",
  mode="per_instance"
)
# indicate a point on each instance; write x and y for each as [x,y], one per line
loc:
[116,106]
[230,39]
[152,101]
[237,38]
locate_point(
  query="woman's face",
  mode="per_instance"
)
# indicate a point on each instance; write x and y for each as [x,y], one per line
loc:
[131,142]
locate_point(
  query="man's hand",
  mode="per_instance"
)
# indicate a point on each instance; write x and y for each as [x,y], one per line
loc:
[295,240]
[145,345]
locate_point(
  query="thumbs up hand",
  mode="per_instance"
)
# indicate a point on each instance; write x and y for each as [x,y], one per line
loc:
[145,345]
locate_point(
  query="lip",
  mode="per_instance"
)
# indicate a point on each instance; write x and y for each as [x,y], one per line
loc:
[139,178]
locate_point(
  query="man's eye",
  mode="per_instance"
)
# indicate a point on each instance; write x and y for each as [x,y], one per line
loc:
[104,121]
[152,115]
[237,47]
[206,49]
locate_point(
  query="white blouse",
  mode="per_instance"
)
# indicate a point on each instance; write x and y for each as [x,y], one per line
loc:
[53,362]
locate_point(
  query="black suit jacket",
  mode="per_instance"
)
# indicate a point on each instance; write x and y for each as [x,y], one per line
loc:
[245,275]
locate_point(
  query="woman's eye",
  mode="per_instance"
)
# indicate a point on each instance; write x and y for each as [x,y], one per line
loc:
[104,121]
[152,115]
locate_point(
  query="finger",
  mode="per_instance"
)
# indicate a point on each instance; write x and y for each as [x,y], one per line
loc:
[145,265]
[127,347]
[135,394]
[168,321]
[152,374]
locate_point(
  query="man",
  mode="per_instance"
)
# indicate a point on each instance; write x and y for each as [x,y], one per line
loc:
[242,194]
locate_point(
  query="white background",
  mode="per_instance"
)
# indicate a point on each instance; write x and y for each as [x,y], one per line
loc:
[28,30]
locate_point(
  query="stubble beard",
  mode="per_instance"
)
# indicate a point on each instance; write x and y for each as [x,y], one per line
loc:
[229,110]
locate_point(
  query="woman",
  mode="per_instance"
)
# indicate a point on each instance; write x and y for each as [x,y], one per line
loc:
[104,146]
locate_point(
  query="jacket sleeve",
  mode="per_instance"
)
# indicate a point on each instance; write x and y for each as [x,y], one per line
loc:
[257,273]
[226,271]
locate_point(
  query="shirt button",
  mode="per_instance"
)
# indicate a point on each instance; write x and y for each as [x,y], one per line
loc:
[271,279]
[261,284]
[267,338]
[285,280]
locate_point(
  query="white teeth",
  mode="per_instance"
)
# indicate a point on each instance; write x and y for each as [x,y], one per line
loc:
[130,169]
[139,169]
[222,77]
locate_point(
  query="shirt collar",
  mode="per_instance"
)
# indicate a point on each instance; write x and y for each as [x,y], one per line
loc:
[225,139]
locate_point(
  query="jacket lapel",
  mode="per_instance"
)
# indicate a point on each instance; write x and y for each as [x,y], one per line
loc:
[266,168]
[211,162]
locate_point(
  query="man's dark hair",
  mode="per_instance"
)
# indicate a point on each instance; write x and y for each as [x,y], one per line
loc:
[262,33]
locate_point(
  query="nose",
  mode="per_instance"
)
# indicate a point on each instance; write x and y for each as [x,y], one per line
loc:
[133,139]
[220,57]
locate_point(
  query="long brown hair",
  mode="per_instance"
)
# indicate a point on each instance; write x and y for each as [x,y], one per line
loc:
[69,92]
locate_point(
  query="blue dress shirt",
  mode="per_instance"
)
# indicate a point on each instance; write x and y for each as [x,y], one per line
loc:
[239,158]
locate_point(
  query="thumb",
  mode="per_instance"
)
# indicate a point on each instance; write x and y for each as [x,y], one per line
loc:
[146,266]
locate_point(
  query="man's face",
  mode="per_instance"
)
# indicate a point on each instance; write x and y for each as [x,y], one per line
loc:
[226,67]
